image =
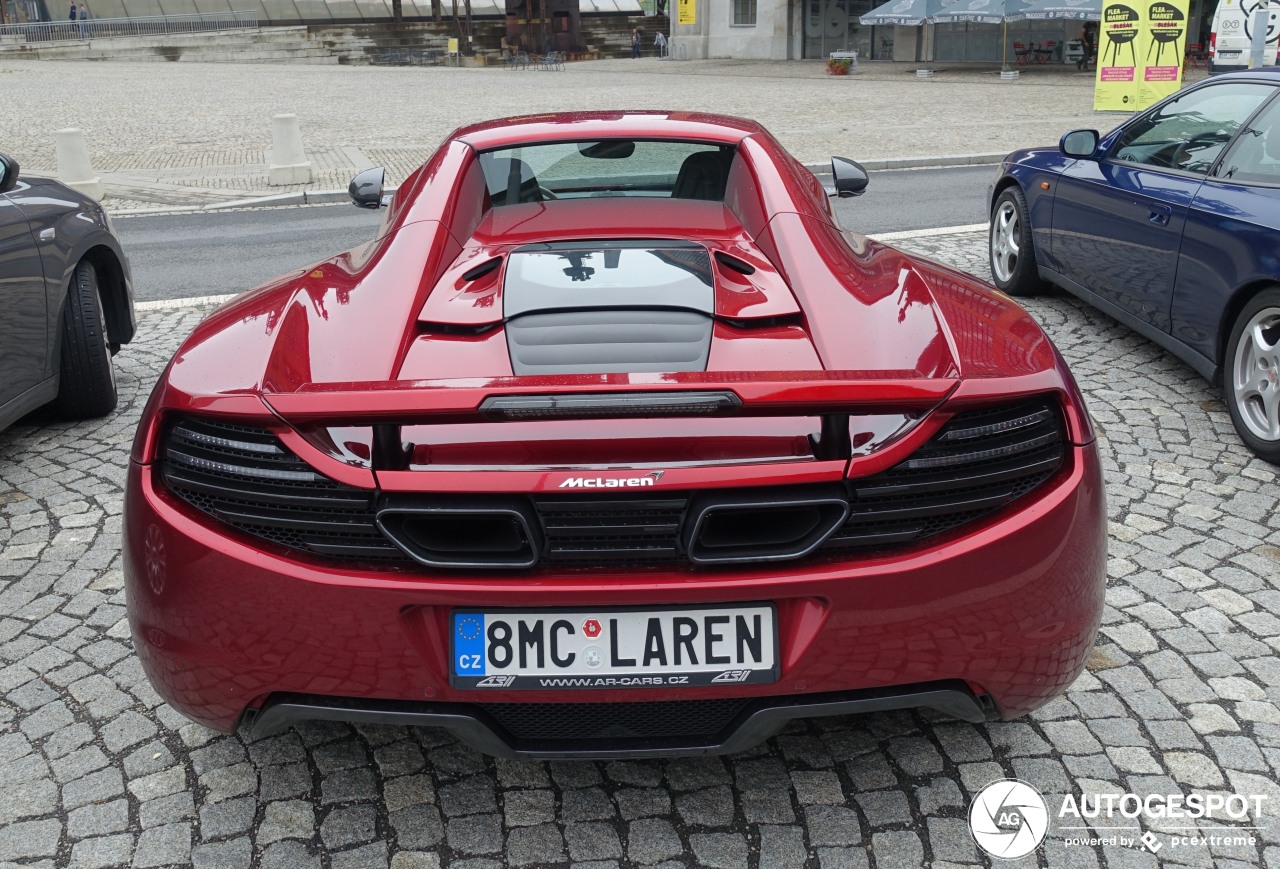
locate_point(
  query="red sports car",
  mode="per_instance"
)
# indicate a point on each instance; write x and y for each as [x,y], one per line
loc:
[613,443]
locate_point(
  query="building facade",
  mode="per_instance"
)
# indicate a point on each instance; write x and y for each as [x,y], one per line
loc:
[812,29]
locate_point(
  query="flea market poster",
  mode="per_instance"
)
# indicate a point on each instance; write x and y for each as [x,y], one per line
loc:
[687,12]
[1116,86]
[1161,43]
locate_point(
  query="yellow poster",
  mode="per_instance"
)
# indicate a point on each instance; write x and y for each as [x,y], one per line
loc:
[687,12]
[1116,87]
[1161,45]
[453,45]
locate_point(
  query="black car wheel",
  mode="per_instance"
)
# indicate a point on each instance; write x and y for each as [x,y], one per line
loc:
[87,385]
[1251,376]
[1012,259]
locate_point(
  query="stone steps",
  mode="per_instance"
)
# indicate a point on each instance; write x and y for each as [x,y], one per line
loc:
[327,44]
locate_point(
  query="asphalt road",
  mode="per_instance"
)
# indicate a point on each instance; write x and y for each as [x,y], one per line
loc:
[185,255]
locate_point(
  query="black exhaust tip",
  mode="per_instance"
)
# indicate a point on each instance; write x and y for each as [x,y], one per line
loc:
[728,528]
[462,532]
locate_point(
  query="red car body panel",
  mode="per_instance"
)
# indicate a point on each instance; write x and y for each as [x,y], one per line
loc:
[260,623]
[818,322]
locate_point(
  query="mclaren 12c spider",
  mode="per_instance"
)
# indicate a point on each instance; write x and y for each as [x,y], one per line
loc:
[613,443]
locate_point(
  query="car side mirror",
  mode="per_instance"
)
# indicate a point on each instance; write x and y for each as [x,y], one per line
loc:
[8,173]
[366,188]
[850,178]
[1081,144]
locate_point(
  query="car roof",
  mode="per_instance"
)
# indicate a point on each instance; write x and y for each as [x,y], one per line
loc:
[1269,72]
[580,126]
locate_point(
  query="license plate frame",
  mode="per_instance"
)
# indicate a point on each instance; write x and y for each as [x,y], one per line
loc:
[633,672]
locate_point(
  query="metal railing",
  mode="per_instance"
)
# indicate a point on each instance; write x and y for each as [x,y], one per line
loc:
[153,25]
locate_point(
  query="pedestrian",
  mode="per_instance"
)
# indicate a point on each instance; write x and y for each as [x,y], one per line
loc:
[72,16]
[82,19]
[635,43]
[660,43]
[1088,37]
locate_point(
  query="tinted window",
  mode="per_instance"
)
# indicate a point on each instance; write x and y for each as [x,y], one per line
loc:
[606,274]
[1255,156]
[1189,133]
[611,167]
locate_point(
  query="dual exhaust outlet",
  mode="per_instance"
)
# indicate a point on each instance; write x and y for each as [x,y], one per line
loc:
[505,532]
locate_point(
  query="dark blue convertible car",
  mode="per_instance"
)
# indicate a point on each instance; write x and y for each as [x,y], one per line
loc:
[1171,224]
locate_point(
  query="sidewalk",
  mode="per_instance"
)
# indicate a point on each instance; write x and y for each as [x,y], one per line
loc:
[182,134]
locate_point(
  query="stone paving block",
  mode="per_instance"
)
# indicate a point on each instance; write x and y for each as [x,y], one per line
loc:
[782,846]
[349,825]
[719,850]
[282,782]
[535,846]
[222,855]
[528,808]
[163,846]
[291,855]
[642,802]
[286,819]
[417,826]
[832,826]
[477,834]
[373,856]
[167,810]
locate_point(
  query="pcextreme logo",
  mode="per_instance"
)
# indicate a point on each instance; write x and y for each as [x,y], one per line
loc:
[649,479]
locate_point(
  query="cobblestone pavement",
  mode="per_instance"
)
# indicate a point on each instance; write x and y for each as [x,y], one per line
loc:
[199,134]
[1180,695]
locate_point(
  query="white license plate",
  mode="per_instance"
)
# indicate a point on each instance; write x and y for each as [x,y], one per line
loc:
[1228,55]
[611,648]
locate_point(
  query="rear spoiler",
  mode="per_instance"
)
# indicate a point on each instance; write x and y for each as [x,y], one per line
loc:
[607,396]
[388,407]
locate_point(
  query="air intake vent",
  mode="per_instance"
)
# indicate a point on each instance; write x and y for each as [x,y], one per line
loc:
[598,342]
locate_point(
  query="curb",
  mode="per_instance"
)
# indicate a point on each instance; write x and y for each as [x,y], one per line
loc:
[946,160]
[329,197]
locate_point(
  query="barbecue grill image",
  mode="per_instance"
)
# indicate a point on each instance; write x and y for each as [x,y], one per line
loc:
[1120,24]
[1166,20]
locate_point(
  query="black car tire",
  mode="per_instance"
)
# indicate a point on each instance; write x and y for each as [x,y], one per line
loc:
[1251,374]
[87,386]
[1010,256]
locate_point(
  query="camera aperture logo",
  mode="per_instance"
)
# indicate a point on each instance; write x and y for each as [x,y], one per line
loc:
[1008,819]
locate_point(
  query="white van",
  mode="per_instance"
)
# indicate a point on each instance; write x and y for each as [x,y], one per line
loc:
[1230,41]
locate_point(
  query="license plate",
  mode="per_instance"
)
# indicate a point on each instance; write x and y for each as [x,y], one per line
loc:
[1228,54]
[611,648]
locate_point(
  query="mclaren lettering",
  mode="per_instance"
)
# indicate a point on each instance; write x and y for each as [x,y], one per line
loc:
[608,482]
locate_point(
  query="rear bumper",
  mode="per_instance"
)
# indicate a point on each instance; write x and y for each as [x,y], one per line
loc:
[1007,608]
[757,721]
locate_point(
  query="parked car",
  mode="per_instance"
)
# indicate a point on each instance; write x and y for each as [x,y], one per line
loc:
[613,443]
[1231,35]
[67,299]
[1171,224]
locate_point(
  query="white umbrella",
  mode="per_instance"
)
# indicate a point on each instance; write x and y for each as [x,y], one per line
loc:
[1077,10]
[985,12]
[908,13]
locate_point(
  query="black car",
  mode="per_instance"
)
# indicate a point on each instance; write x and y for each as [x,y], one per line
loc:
[66,299]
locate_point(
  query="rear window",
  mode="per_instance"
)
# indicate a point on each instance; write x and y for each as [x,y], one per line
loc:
[579,275]
[606,167]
